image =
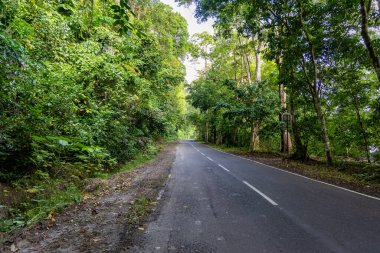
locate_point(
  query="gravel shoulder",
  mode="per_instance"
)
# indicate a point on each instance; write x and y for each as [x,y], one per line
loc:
[109,217]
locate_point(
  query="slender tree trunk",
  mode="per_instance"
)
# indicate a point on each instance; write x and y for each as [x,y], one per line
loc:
[282,97]
[255,140]
[245,62]
[365,8]
[235,68]
[314,88]
[286,143]
[364,132]
[248,65]
[234,135]
[258,61]
[325,134]
[300,148]
[206,130]
[255,129]
[286,140]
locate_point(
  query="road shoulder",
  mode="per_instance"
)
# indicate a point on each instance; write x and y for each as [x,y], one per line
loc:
[313,171]
[106,220]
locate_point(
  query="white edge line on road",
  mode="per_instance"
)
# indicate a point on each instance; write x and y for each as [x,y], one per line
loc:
[339,187]
[224,168]
[261,194]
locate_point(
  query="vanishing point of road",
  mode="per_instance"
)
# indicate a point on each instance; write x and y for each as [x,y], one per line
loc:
[218,202]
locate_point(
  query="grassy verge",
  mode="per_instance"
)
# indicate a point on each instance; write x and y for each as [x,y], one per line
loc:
[37,197]
[138,209]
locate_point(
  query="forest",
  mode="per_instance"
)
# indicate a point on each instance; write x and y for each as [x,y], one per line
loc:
[300,77]
[88,87]
[85,87]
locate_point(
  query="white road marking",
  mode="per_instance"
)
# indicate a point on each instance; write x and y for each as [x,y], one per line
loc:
[224,168]
[209,158]
[261,194]
[295,174]
[202,153]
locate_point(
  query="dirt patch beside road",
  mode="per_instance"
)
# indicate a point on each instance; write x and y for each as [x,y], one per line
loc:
[107,217]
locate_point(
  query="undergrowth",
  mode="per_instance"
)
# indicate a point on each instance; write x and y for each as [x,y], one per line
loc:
[138,209]
[38,196]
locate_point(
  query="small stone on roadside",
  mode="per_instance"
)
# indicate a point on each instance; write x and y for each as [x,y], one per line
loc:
[14,248]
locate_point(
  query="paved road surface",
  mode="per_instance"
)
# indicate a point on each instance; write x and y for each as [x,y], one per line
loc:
[216,202]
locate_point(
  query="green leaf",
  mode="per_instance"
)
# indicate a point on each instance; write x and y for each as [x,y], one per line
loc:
[115,7]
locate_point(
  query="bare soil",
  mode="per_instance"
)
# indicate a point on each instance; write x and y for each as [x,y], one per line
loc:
[112,212]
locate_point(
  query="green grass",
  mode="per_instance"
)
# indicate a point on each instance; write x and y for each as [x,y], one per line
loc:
[140,159]
[138,209]
[41,195]
[40,203]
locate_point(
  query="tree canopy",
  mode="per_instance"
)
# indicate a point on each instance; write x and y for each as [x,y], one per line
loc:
[320,57]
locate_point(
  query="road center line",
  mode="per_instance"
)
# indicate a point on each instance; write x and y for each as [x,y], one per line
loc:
[224,168]
[261,194]
[202,153]
[209,158]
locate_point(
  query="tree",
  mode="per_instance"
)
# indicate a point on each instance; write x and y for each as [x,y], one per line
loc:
[365,10]
[315,45]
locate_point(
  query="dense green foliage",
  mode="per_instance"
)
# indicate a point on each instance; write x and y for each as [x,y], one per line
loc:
[318,68]
[85,86]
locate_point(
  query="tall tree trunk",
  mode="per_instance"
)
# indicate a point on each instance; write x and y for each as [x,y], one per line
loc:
[325,134]
[245,62]
[255,129]
[364,132]
[258,61]
[206,130]
[234,135]
[365,8]
[300,151]
[284,134]
[255,140]
[248,65]
[286,140]
[235,67]
[314,88]
[286,143]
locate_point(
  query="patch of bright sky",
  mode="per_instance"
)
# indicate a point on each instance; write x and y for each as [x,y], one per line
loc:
[192,67]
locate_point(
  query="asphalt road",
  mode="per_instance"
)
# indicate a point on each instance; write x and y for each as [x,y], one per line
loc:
[217,202]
